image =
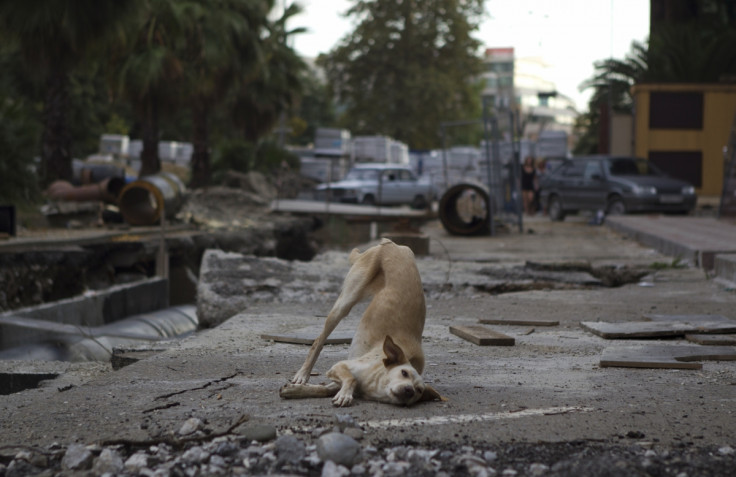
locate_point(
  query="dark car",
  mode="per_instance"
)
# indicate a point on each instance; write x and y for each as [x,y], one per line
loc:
[615,185]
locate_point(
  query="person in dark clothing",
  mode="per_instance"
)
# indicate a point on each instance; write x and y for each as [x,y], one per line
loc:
[528,185]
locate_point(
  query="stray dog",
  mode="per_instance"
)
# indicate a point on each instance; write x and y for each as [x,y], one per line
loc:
[385,360]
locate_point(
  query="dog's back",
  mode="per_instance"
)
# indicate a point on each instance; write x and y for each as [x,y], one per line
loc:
[389,274]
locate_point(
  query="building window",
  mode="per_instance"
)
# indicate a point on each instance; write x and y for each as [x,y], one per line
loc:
[505,67]
[675,110]
[506,81]
[685,165]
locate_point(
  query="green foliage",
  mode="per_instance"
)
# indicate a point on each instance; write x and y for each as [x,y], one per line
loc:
[407,67]
[698,49]
[236,154]
[315,109]
[242,156]
[18,145]
[270,157]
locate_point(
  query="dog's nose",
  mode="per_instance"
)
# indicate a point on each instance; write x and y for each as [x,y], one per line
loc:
[409,391]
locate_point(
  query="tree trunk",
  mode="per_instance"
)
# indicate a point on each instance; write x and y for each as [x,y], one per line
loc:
[150,162]
[56,142]
[200,155]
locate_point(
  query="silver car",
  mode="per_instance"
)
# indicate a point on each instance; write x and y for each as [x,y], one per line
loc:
[379,184]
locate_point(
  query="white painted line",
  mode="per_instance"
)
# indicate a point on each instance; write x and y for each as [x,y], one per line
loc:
[461,418]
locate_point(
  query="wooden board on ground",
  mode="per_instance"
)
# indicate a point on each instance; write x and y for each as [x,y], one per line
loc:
[482,336]
[308,337]
[712,340]
[664,357]
[656,329]
[689,318]
[515,322]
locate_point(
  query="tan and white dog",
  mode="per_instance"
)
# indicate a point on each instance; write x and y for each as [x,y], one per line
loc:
[385,360]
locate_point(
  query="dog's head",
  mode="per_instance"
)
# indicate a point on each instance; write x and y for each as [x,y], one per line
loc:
[405,384]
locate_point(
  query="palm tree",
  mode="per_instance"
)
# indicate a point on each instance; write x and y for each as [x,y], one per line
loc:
[53,37]
[222,46]
[150,71]
[274,86]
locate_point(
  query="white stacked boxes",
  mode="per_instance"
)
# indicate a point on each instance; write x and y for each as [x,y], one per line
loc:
[371,149]
[114,144]
[332,142]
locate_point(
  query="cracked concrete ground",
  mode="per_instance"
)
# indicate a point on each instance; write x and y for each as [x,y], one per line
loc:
[548,387]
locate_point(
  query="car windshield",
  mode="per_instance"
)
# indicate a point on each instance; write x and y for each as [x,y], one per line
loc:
[362,175]
[629,166]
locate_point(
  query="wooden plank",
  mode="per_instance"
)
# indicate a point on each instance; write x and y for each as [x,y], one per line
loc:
[306,338]
[655,329]
[689,318]
[518,322]
[664,357]
[712,340]
[482,336]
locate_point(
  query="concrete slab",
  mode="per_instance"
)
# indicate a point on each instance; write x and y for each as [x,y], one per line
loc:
[549,387]
[696,240]
[725,268]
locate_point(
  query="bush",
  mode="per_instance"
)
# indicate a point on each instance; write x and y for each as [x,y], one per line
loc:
[18,145]
[242,156]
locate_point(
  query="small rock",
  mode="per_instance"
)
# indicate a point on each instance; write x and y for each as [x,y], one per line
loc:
[339,448]
[354,432]
[290,450]
[509,472]
[77,457]
[227,449]
[358,469]
[635,435]
[260,433]
[218,461]
[137,462]
[726,450]
[190,426]
[538,469]
[396,468]
[331,469]
[20,468]
[109,462]
[195,455]
[490,456]
[345,421]
[318,431]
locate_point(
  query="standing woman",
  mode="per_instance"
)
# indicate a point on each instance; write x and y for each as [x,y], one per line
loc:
[528,184]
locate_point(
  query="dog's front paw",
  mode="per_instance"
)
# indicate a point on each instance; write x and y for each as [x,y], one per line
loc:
[343,399]
[300,378]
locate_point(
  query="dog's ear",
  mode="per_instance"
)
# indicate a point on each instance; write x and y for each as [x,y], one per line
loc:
[431,394]
[394,354]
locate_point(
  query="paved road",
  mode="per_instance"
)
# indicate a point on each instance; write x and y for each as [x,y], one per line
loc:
[548,387]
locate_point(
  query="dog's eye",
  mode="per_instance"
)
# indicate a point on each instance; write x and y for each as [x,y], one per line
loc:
[404,373]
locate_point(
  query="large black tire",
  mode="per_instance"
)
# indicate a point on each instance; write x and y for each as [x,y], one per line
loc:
[368,199]
[616,206]
[554,209]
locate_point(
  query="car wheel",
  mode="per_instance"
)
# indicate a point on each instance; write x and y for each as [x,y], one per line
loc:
[616,206]
[368,199]
[419,202]
[554,209]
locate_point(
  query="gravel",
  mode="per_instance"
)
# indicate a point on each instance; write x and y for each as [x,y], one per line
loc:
[332,452]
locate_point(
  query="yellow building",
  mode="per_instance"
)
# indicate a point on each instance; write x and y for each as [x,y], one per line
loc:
[683,129]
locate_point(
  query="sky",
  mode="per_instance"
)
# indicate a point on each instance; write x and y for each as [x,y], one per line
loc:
[569,35]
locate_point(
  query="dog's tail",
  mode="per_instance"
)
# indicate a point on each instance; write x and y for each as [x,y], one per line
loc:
[302,391]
